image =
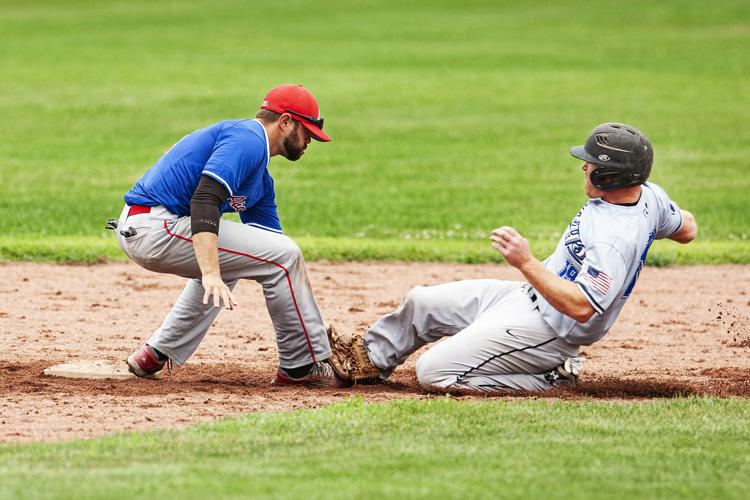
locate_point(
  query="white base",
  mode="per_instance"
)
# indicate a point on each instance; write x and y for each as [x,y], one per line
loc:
[90,369]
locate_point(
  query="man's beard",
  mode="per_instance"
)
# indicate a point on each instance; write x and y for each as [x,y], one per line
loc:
[293,151]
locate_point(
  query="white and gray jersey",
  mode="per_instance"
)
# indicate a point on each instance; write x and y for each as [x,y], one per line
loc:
[602,252]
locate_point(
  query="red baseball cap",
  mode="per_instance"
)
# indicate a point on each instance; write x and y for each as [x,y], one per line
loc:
[301,104]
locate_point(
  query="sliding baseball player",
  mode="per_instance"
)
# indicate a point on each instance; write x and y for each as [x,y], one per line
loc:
[501,335]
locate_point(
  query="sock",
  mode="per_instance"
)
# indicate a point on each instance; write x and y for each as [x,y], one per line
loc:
[298,372]
[159,355]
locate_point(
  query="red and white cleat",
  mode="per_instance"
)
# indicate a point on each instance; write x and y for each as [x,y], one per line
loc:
[144,362]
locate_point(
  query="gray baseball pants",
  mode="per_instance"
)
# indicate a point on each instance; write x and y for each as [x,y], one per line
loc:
[496,338]
[163,244]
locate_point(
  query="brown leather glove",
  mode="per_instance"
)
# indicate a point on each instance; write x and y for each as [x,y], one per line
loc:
[349,357]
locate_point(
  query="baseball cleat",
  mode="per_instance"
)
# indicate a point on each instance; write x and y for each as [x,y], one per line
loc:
[144,362]
[320,375]
[565,374]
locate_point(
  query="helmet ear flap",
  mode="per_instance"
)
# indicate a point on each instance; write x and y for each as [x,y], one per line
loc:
[606,180]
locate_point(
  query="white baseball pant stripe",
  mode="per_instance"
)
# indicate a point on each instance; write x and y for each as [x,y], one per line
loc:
[495,337]
[163,243]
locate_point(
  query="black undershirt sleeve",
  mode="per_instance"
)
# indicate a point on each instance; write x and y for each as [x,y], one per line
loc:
[204,205]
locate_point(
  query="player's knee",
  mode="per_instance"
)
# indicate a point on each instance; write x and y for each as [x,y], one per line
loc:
[423,371]
[431,372]
[417,295]
[290,252]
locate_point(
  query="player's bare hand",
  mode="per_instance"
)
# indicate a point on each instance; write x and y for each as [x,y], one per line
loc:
[215,286]
[512,246]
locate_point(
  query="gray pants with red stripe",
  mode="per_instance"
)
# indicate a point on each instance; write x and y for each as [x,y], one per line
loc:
[162,243]
[496,337]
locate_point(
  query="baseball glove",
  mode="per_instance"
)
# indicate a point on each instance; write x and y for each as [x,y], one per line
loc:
[349,357]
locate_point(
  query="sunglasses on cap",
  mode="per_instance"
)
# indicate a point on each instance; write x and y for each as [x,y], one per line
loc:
[318,122]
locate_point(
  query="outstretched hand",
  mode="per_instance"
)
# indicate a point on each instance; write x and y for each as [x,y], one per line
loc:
[215,286]
[512,246]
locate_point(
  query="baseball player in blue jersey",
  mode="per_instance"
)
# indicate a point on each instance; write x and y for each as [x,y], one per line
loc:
[171,223]
[526,335]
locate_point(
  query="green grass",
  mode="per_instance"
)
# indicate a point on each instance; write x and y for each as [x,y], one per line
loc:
[95,249]
[682,448]
[448,118]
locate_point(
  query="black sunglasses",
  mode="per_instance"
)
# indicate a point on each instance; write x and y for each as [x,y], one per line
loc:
[315,121]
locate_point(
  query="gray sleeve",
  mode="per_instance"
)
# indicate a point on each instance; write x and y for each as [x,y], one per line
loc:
[670,216]
[603,274]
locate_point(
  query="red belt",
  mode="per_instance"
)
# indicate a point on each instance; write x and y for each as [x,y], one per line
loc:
[138,209]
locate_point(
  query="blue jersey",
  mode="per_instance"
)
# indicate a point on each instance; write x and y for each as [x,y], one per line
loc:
[233,152]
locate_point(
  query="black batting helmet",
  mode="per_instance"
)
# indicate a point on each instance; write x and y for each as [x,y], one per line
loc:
[623,155]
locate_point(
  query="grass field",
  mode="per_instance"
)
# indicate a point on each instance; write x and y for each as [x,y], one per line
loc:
[448,118]
[685,448]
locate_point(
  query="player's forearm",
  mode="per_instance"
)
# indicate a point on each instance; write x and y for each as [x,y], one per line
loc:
[562,294]
[206,253]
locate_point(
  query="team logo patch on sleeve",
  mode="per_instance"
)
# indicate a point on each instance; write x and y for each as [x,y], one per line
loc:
[599,280]
[237,202]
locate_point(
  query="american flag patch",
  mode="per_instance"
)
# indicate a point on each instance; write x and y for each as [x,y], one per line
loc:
[599,280]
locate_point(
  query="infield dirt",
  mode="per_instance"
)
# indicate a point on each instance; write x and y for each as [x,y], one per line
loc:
[685,331]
